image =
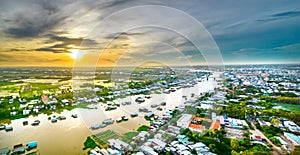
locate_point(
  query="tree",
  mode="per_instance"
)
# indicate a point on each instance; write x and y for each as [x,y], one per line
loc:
[296,151]
[234,144]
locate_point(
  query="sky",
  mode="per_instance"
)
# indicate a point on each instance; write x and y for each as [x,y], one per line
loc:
[120,32]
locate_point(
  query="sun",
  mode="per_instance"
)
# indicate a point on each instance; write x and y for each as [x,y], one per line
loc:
[74,53]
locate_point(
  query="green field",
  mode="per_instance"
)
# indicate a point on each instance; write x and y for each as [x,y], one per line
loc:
[104,136]
[288,107]
[8,83]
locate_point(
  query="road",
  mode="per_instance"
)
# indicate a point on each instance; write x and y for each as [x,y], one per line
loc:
[274,147]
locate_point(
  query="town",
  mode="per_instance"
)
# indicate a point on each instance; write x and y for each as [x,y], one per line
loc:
[243,110]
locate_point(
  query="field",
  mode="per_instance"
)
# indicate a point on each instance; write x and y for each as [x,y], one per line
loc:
[289,107]
[104,136]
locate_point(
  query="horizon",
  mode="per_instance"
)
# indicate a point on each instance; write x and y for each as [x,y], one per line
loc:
[118,33]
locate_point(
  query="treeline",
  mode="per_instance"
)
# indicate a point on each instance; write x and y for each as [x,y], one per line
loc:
[289,100]
[219,144]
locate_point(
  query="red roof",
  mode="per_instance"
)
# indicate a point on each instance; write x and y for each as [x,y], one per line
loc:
[217,125]
[196,126]
[258,137]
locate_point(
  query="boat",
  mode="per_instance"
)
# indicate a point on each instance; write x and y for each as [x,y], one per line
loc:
[2,127]
[74,115]
[124,118]
[154,105]
[25,122]
[96,126]
[108,121]
[8,128]
[35,123]
[118,120]
[126,103]
[139,100]
[31,145]
[134,114]
[53,120]
[18,149]
[61,117]
[159,108]
[4,151]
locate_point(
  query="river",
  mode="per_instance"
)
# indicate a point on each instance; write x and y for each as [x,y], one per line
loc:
[67,136]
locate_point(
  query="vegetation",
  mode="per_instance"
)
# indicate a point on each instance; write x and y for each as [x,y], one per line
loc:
[219,144]
[289,100]
[128,136]
[289,107]
[89,143]
[143,128]
[104,136]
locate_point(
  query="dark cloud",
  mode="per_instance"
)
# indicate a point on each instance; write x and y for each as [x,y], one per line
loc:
[287,14]
[35,21]
[63,44]
[281,15]
[54,50]
[123,35]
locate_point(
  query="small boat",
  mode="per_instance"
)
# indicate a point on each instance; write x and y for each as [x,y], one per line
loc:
[108,121]
[8,128]
[25,122]
[2,127]
[31,145]
[163,103]
[118,120]
[18,149]
[61,117]
[35,123]
[4,151]
[124,118]
[96,126]
[53,120]
[74,115]
[134,114]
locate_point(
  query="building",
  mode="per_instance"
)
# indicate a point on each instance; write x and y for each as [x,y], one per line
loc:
[291,126]
[215,125]
[295,139]
[184,120]
[119,145]
[196,128]
[148,150]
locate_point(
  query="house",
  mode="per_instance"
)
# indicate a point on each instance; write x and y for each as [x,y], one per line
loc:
[184,120]
[282,142]
[182,139]
[196,128]
[148,150]
[119,145]
[256,138]
[215,125]
[291,126]
[295,139]
[142,136]
[173,129]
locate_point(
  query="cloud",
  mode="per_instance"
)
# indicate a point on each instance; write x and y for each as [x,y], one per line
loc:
[58,26]
[63,44]
[281,15]
[34,21]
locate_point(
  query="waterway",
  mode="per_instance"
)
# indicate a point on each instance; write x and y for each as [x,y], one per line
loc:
[67,136]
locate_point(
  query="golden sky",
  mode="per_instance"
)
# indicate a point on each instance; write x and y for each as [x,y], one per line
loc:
[116,32]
